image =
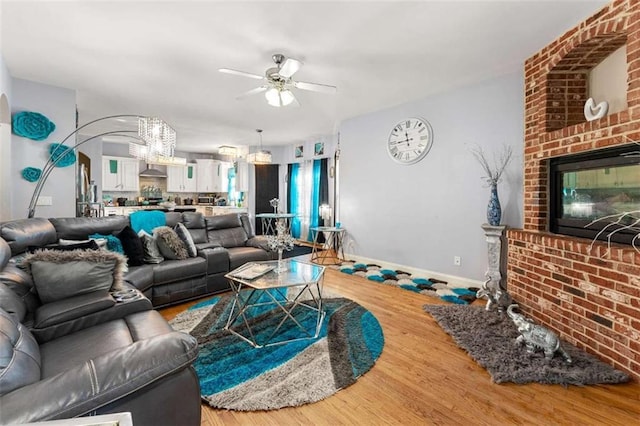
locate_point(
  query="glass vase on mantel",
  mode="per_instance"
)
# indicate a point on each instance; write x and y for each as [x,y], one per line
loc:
[494,211]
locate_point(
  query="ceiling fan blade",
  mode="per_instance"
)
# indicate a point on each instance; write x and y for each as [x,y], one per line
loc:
[252,92]
[289,67]
[315,87]
[241,73]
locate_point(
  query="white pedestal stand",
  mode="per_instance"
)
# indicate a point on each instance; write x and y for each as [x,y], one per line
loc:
[494,288]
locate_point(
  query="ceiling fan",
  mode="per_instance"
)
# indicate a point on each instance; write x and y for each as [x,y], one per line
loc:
[278,82]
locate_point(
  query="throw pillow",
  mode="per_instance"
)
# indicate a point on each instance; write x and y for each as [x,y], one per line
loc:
[81,245]
[132,246]
[151,251]
[61,274]
[113,243]
[170,245]
[187,239]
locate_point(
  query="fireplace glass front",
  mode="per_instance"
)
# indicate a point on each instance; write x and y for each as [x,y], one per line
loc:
[601,186]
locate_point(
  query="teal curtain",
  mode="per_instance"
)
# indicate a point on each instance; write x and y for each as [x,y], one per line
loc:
[231,184]
[294,206]
[314,214]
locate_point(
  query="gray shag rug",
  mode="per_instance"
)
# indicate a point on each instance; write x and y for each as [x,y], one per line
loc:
[489,338]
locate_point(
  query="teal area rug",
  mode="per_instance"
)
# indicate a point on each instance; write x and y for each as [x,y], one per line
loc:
[236,376]
[449,292]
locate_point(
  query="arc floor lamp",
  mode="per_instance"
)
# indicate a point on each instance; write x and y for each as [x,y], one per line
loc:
[153,139]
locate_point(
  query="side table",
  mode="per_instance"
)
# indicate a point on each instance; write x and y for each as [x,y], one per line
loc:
[270,221]
[332,252]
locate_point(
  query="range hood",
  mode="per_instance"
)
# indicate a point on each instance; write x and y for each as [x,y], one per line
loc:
[151,172]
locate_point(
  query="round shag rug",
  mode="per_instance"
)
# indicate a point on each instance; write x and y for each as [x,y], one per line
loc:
[236,376]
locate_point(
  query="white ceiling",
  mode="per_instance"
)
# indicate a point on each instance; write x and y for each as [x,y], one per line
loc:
[161,57]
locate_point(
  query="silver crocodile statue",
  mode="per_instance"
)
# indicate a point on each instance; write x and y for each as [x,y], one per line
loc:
[536,337]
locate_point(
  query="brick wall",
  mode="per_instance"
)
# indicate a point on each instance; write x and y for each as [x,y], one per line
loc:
[587,293]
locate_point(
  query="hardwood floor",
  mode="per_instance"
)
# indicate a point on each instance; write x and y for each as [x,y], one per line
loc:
[422,377]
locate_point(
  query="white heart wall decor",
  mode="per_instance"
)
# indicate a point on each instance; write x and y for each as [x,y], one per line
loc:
[593,111]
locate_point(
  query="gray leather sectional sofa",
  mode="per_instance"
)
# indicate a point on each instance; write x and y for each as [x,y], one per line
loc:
[224,242]
[94,353]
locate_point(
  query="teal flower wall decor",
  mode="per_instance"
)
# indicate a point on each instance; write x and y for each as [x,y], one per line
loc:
[57,150]
[32,125]
[31,174]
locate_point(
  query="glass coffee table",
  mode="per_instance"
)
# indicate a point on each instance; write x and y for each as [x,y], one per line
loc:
[257,287]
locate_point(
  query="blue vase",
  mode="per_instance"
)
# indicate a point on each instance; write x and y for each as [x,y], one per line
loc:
[494,211]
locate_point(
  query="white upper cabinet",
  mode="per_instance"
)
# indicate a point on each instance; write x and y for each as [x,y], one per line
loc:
[212,175]
[120,174]
[242,176]
[182,178]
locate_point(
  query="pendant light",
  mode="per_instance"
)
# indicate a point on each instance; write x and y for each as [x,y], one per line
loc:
[262,156]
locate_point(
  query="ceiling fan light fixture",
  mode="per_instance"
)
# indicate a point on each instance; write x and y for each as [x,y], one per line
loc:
[279,97]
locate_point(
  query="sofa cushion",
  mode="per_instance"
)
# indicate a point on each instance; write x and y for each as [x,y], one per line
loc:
[230,237]
[23,233]
[170,245]
[238,256]
[19,355]
[186,238]
[247,224]
[132,246]
[79,228]
[61,274]
[173,218]
[176,270]
[196,225]
[141,277]
[20,282]
[69,351]
[223,221]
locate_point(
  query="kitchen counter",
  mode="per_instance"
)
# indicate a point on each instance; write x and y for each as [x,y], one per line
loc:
[205,210]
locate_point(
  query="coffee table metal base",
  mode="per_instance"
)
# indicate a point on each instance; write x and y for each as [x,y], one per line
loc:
[283,302]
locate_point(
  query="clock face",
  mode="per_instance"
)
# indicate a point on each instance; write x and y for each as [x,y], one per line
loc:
[410,140]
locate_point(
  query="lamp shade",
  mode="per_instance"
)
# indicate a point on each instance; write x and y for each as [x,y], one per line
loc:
[279,97]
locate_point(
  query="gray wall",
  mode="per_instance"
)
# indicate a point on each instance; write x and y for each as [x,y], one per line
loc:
[424,214]
[59,105]
[6,177]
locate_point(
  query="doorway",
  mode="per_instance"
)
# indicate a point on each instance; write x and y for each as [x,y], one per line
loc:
[267,189]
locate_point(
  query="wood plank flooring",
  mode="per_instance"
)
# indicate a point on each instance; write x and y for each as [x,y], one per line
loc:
[423,378]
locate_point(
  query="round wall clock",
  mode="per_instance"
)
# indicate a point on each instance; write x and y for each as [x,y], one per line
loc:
[410,140]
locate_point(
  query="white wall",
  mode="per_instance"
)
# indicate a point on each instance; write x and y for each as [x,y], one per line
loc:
[59,105]
[608,81]
[6,176]
[424,214]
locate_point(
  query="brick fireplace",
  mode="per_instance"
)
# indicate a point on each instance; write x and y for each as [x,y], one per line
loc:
[590,297]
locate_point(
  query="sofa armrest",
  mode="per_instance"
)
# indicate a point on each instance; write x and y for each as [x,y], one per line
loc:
[72,308]
[100,381]
[67,316]
[217,259]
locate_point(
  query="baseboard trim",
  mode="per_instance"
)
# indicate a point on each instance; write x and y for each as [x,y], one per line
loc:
[452,280]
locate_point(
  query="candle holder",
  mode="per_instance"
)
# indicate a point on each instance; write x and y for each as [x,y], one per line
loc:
[279,242]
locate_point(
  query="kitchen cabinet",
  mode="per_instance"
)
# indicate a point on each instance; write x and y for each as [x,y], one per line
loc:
[242,176]
[212,175]
[120,174]
[182,178]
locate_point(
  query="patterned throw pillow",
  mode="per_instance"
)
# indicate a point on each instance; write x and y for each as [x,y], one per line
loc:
[170,245]
[187,239]
[151,251]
